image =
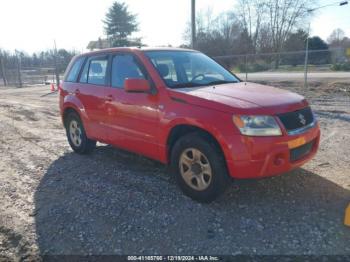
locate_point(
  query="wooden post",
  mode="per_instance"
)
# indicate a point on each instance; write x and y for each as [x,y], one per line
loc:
[2,69]
[57,73]
[306,57]
[20,84]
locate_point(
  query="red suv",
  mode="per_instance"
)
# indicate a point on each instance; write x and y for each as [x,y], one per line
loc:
[182,108]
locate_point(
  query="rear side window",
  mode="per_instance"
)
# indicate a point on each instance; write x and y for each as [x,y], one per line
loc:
[97,71]
[125,66]
[75,69]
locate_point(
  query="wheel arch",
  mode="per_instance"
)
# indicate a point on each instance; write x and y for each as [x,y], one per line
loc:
[69,108]
[181,130]
[67,111]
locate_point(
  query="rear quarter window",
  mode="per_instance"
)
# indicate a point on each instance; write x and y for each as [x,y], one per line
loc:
[74,70]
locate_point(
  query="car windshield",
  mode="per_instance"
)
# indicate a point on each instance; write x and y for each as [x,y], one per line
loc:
[189,69]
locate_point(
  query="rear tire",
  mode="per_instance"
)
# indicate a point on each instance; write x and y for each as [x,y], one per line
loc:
[199,167]
[76,135]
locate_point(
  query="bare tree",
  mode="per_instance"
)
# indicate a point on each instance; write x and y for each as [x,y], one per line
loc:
[220,35]
[284,16]
[338,40]
[227,24]
[274,19]
[250,13]
[205,22]
[336,37]
[264,41]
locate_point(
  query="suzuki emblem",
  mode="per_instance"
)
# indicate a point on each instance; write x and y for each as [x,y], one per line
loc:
[302,119]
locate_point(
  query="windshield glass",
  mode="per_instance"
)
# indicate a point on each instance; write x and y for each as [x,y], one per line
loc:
[188,69]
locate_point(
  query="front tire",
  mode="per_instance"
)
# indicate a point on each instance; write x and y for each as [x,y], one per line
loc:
[199,167]
[76,135]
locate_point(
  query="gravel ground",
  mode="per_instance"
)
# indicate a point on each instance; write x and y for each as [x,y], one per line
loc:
[54,201]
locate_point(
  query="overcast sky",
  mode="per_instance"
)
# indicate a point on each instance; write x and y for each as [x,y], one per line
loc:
[32,25]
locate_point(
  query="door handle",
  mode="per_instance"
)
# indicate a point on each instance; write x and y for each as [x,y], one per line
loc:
[109,98]
[77,91]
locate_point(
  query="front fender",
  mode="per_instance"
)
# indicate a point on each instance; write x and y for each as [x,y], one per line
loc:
[216,125]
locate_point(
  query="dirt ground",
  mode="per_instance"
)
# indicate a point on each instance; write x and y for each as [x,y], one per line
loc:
[54,201]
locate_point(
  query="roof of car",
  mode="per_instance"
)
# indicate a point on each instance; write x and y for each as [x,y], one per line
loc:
[115,49]
[165,49]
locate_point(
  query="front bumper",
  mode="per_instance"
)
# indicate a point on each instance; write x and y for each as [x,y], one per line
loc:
[270,156]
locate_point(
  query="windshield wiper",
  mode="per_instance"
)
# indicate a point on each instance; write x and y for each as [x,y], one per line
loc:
[182,85]
[189,84]
[220,82]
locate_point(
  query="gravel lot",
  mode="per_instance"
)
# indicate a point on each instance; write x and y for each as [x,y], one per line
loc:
[54,201]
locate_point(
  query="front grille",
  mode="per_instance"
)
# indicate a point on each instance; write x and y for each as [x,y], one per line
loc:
[301,151]
[297,119]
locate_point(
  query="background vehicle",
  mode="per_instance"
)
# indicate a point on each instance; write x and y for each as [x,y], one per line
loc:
[182,108]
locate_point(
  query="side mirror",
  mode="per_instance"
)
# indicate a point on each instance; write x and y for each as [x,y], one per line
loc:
[137,85]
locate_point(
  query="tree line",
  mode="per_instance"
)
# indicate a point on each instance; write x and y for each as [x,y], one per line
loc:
[267,27]
[253,27]
[43,59]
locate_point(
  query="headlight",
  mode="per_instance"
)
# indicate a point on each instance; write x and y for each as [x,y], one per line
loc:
[257,125]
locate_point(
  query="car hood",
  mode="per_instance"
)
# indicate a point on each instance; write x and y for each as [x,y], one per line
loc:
[243,97]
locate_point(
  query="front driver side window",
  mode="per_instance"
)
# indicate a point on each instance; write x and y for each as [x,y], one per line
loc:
[125,66]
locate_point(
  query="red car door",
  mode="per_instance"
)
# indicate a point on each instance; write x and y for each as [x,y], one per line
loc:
[133,118]
[91,91]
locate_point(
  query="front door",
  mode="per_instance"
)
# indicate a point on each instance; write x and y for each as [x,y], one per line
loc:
[132,118]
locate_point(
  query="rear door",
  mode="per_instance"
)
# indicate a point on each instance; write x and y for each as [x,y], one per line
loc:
[91,92]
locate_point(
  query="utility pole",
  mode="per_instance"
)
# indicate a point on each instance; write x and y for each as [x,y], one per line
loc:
[193,24]
[57,73]
[306,56]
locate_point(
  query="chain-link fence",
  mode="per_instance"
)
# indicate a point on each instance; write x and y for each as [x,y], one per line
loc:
[265,66]
[296,64]
[28,76]
[20,69]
